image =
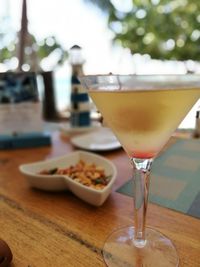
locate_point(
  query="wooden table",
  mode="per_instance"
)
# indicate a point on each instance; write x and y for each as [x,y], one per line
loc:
[57,229]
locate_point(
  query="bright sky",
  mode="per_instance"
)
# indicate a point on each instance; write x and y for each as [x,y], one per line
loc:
[73,22]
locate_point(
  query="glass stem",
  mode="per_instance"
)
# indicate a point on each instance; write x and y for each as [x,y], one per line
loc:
[141,174]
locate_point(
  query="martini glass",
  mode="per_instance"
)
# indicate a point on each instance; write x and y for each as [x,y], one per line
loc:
[143,112]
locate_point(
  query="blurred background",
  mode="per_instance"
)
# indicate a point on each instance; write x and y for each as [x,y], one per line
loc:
[119,36]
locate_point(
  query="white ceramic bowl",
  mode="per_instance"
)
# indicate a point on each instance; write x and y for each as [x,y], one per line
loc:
[62,182]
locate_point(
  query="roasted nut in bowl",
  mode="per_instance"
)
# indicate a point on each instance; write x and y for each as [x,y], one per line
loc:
[72,172]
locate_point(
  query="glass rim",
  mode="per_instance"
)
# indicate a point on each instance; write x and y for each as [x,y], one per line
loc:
[196,75]
[141,81]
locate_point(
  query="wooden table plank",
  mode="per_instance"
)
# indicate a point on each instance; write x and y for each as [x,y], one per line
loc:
[58,229]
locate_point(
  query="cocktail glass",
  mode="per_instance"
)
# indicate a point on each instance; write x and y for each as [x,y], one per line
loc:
[143,111]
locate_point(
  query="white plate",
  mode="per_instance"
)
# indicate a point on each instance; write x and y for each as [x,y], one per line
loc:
[63,182]
[100,140]
[66,128]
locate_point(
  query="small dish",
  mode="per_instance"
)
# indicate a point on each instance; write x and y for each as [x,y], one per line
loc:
[62,182]
[99,140]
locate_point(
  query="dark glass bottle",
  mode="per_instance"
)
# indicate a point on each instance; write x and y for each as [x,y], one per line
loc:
[197,125]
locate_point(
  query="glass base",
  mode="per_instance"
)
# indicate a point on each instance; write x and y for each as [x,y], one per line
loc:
[119,250]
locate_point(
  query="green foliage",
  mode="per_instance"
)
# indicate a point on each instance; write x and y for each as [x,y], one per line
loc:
[34,51]
[49,45]
[105,5]
[5,54]
[164,29]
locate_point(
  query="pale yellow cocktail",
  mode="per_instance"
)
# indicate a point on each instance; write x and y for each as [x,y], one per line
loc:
[144,120]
